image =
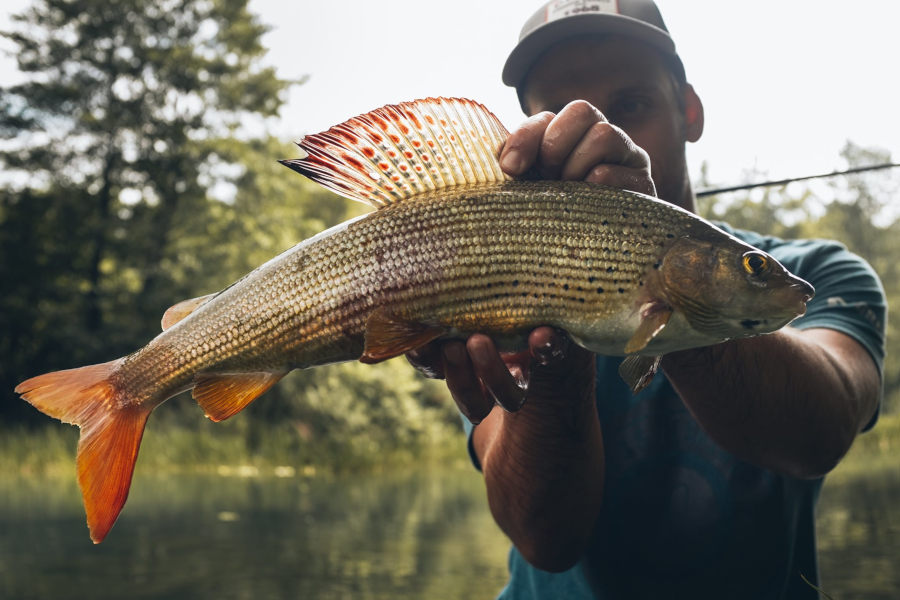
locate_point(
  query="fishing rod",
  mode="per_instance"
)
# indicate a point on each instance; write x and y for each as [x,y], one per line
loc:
[747,186]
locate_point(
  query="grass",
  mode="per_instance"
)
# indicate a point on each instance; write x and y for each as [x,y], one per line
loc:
[873,451]
[253,447]
[249,448]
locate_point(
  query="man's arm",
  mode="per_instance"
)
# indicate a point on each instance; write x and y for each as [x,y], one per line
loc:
[543,464]
[792,401]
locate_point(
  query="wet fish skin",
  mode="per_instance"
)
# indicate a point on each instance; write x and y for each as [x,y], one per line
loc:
[621,272]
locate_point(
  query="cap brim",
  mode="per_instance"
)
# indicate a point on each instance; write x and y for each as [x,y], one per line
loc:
[540,40]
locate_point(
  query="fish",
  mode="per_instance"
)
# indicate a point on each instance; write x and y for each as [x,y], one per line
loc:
[453,247]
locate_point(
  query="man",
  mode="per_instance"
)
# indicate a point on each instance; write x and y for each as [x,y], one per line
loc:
[704,484]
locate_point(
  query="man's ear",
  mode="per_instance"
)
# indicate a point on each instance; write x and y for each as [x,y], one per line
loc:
[693,114]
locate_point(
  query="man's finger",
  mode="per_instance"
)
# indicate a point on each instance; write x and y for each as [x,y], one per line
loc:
[494,373]
[603,143]
[428,360]
[521,148]
[463,383]
[564,134]
[635,180]
[548,346]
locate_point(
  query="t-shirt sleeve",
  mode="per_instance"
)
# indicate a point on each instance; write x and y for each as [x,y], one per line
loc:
[469,429]
[849,295]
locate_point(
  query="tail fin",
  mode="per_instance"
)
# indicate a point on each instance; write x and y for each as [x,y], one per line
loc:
[111,433]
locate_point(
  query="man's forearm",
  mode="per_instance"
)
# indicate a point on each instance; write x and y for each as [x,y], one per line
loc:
[791,401]
[543,466]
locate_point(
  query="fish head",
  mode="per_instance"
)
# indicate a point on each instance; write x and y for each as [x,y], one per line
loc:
[728,289]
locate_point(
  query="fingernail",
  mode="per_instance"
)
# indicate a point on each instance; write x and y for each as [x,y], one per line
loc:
[512,162]
[552,351]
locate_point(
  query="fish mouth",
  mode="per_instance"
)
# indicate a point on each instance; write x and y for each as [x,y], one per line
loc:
[793,307]
[804,292]
[803,289]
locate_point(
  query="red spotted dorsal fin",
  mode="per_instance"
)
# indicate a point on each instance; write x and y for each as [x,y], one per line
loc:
[177,312]
[222,395]
[388,336]
[402,150]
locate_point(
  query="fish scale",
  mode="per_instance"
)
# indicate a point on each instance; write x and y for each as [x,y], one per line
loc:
[455,247]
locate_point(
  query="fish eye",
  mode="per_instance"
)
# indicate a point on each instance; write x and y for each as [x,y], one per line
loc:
[756,263]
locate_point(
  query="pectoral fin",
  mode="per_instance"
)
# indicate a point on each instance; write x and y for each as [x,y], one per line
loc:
[638,371]
[654,316]
[222,395]
[388,336]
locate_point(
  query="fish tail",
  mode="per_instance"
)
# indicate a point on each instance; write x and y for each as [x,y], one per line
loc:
[111,431]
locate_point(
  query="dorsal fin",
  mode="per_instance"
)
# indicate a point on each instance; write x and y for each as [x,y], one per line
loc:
[402,150]
[177,312]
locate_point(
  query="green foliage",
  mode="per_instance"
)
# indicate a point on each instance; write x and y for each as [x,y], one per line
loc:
[857,210]
[105,144]
[142,187]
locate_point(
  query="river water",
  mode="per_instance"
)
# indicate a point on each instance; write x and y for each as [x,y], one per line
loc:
[423,534]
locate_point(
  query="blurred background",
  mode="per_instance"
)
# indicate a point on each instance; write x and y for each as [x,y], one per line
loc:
[137,168]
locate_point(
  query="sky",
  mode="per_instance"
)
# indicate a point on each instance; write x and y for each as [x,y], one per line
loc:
[784,84]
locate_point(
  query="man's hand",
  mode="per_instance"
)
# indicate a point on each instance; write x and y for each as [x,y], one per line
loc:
[479,377]
[542,460]
[578,144]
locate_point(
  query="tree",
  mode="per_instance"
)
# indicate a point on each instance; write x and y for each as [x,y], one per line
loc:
[110,134]
[864,218]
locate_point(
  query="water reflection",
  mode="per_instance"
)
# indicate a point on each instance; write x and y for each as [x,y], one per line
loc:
[414,535]
[858,528]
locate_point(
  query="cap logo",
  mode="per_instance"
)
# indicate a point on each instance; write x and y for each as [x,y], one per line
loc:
[561,9]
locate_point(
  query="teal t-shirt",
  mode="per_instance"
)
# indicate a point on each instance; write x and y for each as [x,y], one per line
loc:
[683,518]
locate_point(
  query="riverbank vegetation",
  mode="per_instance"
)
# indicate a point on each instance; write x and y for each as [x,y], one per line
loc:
[246,447]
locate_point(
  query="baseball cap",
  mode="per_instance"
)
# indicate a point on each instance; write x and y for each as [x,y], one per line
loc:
[560,20]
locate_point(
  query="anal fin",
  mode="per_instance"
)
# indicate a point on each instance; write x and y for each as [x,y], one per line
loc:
[222,395]
[638,371]
[388,336]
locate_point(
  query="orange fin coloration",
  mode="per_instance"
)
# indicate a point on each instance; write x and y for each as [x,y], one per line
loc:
[401,150]
[222,395]
[387,336]
[654,316]
[111,432]
[177,312]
